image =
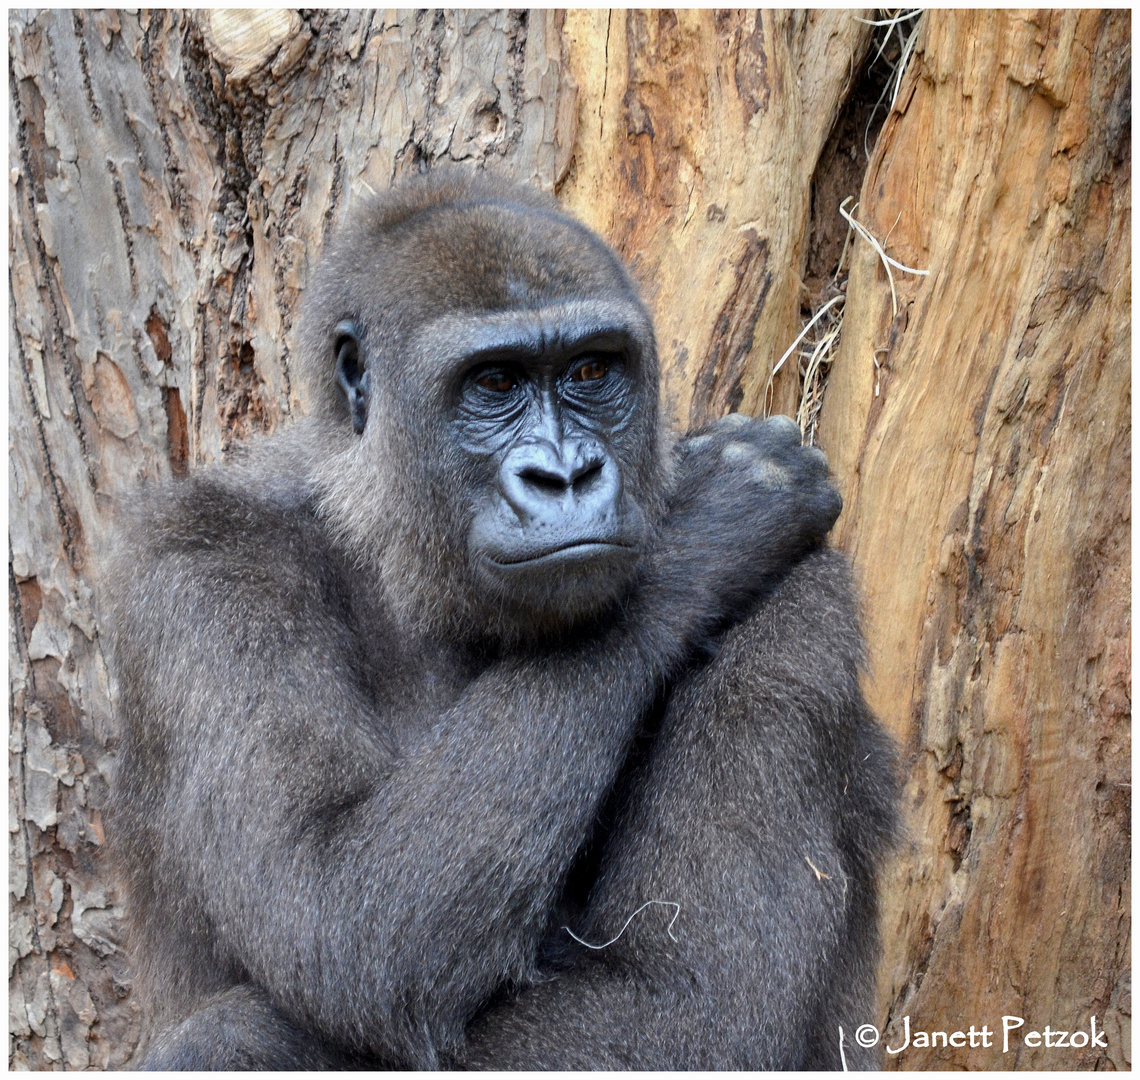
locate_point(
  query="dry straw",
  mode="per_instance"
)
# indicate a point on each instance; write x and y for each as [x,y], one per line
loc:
[817,350]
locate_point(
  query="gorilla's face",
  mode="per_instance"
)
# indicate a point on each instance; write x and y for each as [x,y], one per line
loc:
[557,527]
[501,377]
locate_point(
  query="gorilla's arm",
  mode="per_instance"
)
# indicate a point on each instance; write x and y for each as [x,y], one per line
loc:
[425,873]
[428,872]
[761,810]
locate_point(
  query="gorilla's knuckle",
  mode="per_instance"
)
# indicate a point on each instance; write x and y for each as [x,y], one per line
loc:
[815,456]
[733,422]
[767,472]
[737,453]
[782,429]
[697,443]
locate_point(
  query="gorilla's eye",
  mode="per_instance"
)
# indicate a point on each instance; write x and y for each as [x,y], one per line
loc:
[590,371]
[498,382]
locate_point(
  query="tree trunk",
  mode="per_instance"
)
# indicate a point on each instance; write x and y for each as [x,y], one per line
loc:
[174,175]
[982,438]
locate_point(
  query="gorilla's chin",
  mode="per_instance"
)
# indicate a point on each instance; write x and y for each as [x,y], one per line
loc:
[558,588]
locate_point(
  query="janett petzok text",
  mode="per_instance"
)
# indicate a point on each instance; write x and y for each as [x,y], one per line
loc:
[1011,1036]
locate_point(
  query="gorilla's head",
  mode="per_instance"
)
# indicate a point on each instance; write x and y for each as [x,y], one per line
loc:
[488,380]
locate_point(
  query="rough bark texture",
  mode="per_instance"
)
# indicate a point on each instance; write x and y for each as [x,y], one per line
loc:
[699,136]
[173,176]
[986,470]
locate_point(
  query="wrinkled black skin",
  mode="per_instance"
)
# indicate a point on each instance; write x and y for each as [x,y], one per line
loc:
[450,666]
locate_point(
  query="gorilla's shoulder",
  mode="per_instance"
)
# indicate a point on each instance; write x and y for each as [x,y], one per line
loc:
[246,533]
[263,501]
[808,622]
[228,510]
[223,563]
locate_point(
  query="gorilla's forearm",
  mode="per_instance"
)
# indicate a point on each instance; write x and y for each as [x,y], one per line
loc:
[762,812]
[736,990]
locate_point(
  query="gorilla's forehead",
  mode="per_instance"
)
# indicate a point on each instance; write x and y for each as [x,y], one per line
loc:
[492,256]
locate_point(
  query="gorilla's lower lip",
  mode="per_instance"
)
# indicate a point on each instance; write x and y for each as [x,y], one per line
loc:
[581,550]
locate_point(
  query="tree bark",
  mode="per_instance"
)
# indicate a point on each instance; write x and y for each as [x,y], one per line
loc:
[174,175]
[981,436]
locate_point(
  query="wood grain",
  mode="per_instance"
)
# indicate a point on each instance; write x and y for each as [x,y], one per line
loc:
[700,132]
[987,472]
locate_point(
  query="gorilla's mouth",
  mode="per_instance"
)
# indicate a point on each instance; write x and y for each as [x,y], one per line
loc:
[577,551]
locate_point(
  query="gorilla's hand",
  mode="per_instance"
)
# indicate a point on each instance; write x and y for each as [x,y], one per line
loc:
[761,460]
[748,500]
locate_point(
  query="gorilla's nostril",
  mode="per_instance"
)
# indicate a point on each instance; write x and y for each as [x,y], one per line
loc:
[548,483]
[586,479]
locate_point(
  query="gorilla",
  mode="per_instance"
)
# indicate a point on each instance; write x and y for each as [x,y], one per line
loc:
[475,722]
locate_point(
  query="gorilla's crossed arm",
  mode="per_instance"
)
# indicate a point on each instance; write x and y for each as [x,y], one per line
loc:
[431,670]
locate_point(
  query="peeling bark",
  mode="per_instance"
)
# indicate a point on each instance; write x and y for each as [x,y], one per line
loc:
[986,472]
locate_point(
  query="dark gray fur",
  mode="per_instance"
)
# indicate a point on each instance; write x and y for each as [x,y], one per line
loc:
[360,791]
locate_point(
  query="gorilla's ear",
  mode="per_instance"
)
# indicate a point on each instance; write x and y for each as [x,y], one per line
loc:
[351,372]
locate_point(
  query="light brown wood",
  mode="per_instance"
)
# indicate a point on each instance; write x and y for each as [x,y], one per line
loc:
[700,133]
[986,472]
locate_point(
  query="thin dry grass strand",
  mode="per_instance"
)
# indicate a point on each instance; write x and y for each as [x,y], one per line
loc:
[894,21]
[843,255]
[907,52]
[862,229]
[819,874]
[887,261]
[668,929]
[896,72]
[812,398]
[898,218]
[795,344]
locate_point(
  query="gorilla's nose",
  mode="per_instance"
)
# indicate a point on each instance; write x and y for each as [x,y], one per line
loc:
[545,483]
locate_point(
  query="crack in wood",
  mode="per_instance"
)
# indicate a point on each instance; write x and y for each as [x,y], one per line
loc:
[78,22]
